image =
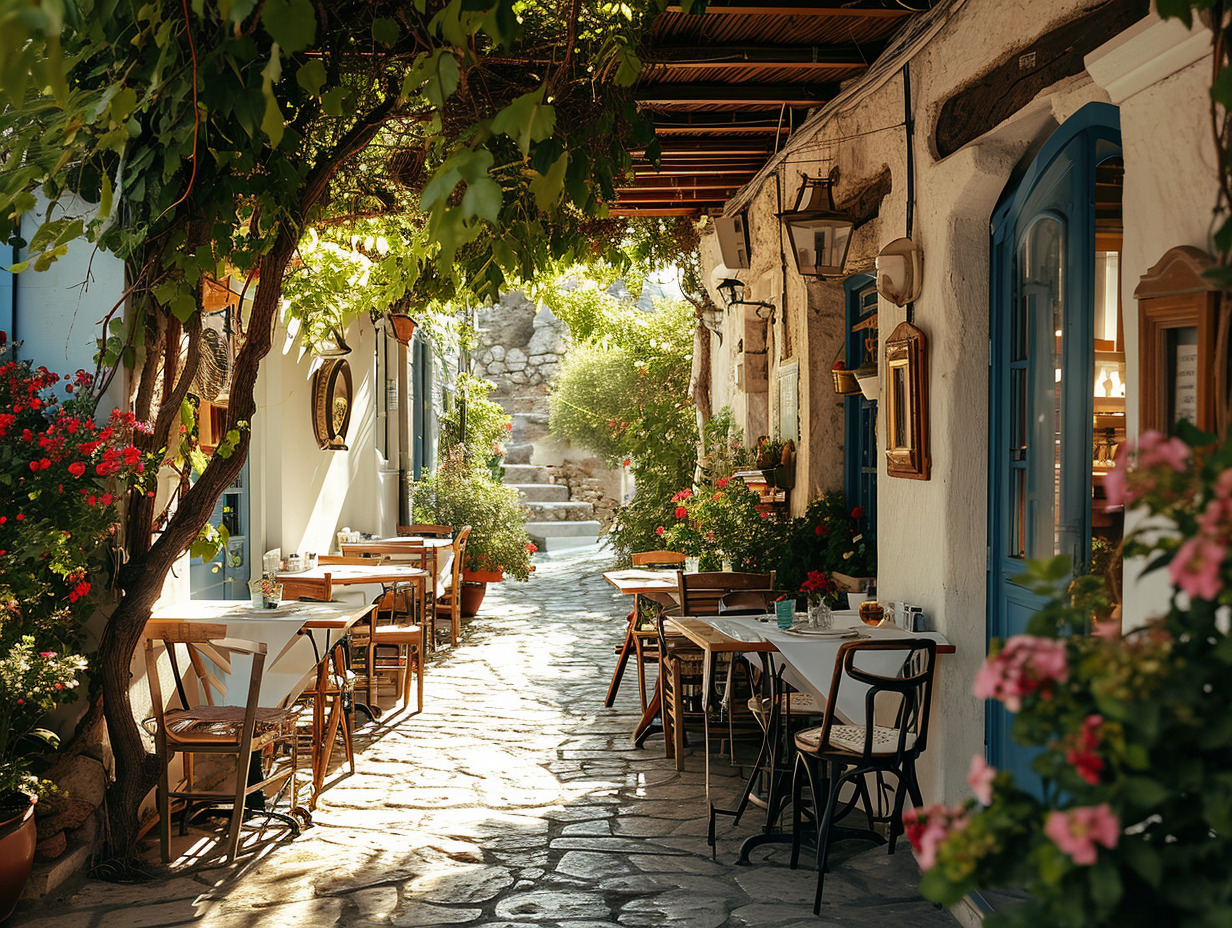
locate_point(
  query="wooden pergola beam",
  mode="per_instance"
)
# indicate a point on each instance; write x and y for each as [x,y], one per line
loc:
[815,8]
[795,57]
[654,212]
[737,94]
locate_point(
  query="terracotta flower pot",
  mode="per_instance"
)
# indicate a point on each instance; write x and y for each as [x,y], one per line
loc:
[471,597]
[17,840]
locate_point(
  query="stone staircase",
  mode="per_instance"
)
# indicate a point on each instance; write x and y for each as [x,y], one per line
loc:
[555,521]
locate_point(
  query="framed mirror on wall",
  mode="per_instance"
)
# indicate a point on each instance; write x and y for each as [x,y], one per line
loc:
[1176,330]
[906,404]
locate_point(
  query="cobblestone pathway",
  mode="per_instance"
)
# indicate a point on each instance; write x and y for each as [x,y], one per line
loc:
[514,801]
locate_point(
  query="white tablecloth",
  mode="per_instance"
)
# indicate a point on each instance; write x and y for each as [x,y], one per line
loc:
[808,663]
[289,659]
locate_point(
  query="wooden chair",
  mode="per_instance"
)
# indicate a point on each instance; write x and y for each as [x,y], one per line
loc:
[329,697]
[307,588]
[394,629]
[680,661]
[702,593]
[355,560]
[449,603]
[411,554]
[244,732]
[834,754]
[438,531]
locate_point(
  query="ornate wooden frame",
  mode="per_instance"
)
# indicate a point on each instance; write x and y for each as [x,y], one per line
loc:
[331,403]
[906,404]
[1175,295]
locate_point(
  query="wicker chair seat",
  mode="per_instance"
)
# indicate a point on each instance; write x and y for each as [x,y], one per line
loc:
[222,725]
[850,738]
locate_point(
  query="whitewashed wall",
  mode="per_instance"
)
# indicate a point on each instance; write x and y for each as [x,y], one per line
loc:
[932,535]
[302,495]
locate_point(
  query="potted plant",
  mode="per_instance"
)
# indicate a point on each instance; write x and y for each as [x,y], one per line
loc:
[32,682]
[461,492]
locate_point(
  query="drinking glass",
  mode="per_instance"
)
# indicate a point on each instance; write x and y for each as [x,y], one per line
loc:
[820,616]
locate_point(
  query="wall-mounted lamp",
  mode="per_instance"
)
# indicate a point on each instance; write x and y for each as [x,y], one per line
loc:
[732,292]
[334,345]
[820,234]
[900,271]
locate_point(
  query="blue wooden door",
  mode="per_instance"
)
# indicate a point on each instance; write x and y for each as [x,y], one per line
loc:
[1040,403]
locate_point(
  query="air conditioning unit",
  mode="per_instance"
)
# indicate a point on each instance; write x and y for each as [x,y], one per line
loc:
[733,240]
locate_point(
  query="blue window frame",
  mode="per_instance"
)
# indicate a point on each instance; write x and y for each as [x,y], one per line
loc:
[860,427]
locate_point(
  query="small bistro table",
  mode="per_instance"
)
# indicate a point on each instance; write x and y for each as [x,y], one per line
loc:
[301,637]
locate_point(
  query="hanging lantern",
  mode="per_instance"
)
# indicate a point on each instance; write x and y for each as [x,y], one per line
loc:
[820,234]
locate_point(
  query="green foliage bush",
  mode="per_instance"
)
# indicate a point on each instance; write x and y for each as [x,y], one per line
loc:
[624,395]
[487,424]
[461,492]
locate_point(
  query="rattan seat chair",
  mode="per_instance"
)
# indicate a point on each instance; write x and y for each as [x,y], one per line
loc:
[261,739]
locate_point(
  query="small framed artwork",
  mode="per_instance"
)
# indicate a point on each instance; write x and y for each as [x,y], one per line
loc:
[906,419]
[1176,334]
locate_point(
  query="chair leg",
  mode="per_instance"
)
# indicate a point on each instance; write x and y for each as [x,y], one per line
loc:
[677,711]
[237,811]
[833,784]
[164,806]
[797,802]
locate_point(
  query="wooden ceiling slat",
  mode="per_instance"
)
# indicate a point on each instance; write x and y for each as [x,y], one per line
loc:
[736,94]
[819,57]
[827,8]
[654,213]
[768,128]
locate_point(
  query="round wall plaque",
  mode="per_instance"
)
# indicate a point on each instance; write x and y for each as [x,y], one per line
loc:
[331,403]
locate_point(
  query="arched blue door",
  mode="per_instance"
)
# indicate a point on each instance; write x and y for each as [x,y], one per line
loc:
[1040,402]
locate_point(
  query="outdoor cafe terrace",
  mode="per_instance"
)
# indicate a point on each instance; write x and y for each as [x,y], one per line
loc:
[514,797]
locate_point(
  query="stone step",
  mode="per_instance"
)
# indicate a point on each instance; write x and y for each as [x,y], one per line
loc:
[553,536]
[560,512]
[542,492]
[518,452]
[527,426]
[520,475]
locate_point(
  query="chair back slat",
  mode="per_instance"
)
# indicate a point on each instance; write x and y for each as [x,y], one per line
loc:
[909,692]
[699,593]
[657,558]
[424,529]
[354,560]
[388,552]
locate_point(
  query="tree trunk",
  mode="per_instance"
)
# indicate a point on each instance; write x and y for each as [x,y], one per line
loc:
[141,580]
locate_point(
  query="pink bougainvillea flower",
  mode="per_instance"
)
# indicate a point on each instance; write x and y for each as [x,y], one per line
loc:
[1154,450]
[1025,665]
[980,779]
[1078,831]
[1195,568]
[659,530]
[927,828]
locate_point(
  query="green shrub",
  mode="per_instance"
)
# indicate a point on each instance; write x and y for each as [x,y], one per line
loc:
[461,492]
[487,424]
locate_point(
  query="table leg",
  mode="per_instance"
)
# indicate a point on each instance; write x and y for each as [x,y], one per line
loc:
[625,651]
[646,725]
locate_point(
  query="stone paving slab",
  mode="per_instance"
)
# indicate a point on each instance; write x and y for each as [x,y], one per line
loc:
[513,800]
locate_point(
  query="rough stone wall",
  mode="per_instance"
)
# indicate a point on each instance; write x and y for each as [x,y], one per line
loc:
[588,483]
[520,348]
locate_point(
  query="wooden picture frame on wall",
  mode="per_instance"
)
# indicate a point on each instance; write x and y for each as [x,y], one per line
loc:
[1176,342]
[906,404]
